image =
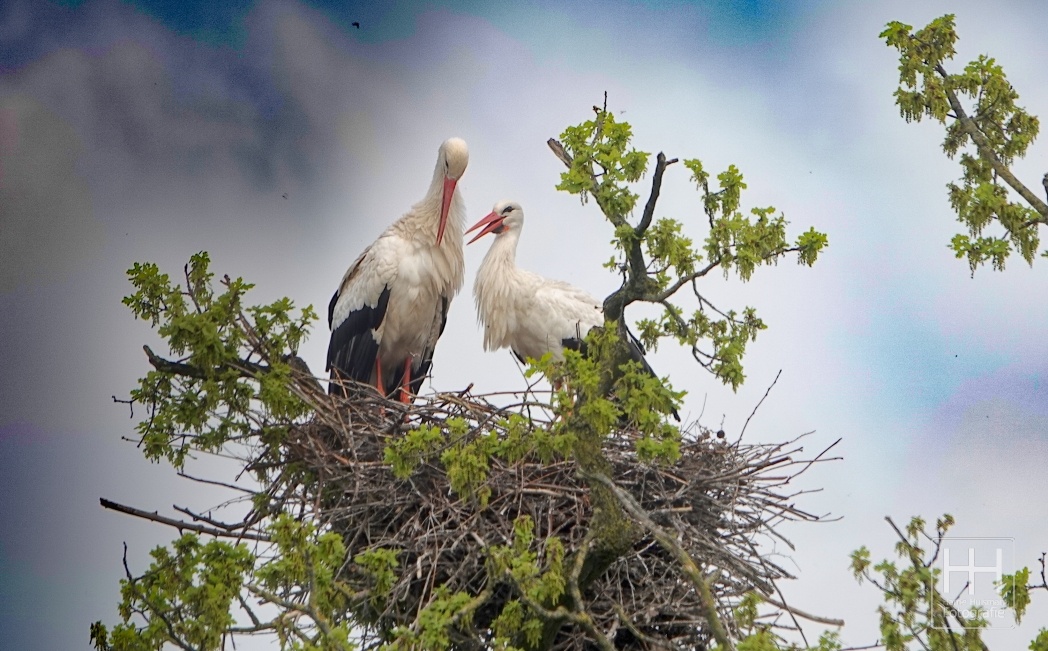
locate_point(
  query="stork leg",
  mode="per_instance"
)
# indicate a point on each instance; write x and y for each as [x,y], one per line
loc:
[405,393]
[378,377]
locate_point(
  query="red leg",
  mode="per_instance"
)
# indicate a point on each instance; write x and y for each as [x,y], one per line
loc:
[405,393]
[378,377]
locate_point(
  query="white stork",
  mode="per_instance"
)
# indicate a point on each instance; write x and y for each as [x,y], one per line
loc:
[523,311]
[520,310]
[391,306]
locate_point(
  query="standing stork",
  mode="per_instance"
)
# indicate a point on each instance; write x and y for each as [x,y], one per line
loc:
[523,311]
[392,304]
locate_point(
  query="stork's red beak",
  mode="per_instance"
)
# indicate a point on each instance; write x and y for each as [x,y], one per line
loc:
[492,221]
[445,205]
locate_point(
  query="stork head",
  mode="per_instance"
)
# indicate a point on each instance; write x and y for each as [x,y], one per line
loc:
[451,165]
[505,216]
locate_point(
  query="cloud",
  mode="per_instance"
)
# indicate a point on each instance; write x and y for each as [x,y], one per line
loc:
[48,226]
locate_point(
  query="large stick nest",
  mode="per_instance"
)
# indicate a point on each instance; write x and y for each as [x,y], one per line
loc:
[722,501]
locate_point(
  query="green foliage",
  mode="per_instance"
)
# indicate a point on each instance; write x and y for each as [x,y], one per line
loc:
[1040,643]
[604,143]
[657,257]
[809,244]
[670,250]
[100,637]
[1015,592]
[757,636]
[407,452]
[467,465]
[829,641]
[915,614]
[636,397]
[993,125]
[185,597]
[466,458]
[761,640]
[302,577]
[434,622]
[380,564]
[515,621]
[540,579]
[236,357]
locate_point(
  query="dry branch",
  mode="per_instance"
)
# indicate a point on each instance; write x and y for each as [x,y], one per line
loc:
[182,525]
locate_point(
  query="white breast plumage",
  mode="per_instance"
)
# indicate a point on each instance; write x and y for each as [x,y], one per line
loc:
[521,310]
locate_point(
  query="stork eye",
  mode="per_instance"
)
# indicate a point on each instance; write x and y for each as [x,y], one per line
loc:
[507,210]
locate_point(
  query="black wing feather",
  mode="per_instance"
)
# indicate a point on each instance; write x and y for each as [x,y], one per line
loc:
[352,349]
[576,343]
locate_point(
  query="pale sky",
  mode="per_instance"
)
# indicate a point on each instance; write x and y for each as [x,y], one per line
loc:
[132,132]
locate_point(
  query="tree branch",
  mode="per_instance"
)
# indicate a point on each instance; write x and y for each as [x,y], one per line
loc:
[702,586]
[222,526]
[656,186]
[683,280]
[561,153]
[829,621]
[246,369]
[635,287]
[986,151]
[181,525]
[759,403]
[133,582]
[915,561]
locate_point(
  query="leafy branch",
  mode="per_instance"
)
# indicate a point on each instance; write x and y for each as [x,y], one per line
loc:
[915,610]
[656,259]
[999,130]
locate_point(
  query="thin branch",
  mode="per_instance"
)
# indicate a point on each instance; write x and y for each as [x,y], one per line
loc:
[180,524]
[683,280]
[915,561]
[215,482]
[239,526]
[132,581]
[1044,581]
[130,405]
[637,633]
[759,403]
[829,621]
[187,370]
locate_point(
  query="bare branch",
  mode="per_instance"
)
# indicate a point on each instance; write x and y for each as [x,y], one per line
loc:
[180,524]
[829,621]
[656,188]
[561,153]
[759,403]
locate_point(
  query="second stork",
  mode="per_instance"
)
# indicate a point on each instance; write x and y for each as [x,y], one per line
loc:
[523,311]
